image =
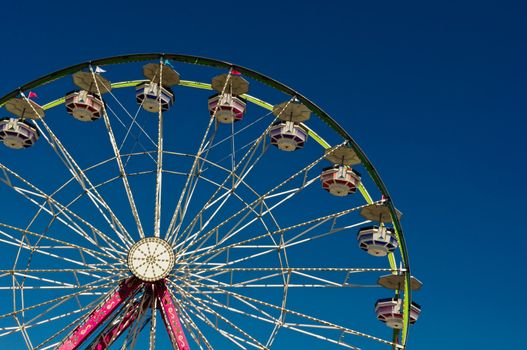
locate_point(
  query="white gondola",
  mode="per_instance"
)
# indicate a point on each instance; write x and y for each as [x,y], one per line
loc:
[17,134]
[228,108]
[288,136]
[150,94]
[158,89]
[390,311]
[377,241]
[84,106]
[340,180]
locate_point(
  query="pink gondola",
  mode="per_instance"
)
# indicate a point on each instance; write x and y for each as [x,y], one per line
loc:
[84,106]
[340,180]
[390,311]
[228,108]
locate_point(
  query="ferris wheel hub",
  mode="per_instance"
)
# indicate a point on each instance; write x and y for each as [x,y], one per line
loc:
[151,259]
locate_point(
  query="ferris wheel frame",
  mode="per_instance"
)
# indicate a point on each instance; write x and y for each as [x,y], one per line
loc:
[196,60]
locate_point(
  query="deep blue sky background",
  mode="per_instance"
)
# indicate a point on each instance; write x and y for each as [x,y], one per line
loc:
[434,91]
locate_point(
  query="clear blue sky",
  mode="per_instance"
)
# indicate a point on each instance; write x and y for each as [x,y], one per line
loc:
[434,92]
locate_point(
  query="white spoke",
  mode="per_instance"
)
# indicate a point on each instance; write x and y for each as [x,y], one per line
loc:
[128,131]
[64,214]
[232,176]
[314,320]
[153,323]
[97,255]
[236,179]
[53,305]
[341,280]
[179,212]
[10,240]
[88,308]
[133,122]
[82,179]
[133,333]
[203,308]
[261,316]
[193,328]
[119,161]
[159,163]
[85,290]
[310,224]
[204,237]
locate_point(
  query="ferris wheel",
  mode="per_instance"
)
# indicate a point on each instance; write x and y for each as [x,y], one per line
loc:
[159,200]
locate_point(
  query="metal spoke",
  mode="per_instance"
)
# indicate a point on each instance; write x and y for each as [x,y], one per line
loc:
[53,305]
[133,333]
[339,281]
[133,122]
[159,162]
[153,321]
[86,290]
[197,304]
[236,179]
[119,161]
[129,129]
[95,254]
[179,211]
[315,320]
[261,314]
[193,328]
[215,250]
[21,244]
[204,237]
[63,214]
[72,166]
[232,176]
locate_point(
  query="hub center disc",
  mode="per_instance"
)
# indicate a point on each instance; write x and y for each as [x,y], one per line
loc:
[151,259]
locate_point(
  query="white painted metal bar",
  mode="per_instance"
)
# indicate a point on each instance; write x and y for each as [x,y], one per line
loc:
[119,161]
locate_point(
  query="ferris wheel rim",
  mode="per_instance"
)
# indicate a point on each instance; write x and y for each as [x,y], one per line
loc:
[197,60]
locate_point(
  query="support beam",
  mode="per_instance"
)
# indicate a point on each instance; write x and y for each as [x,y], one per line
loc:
[106,339]
[170,317]
[76,338]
